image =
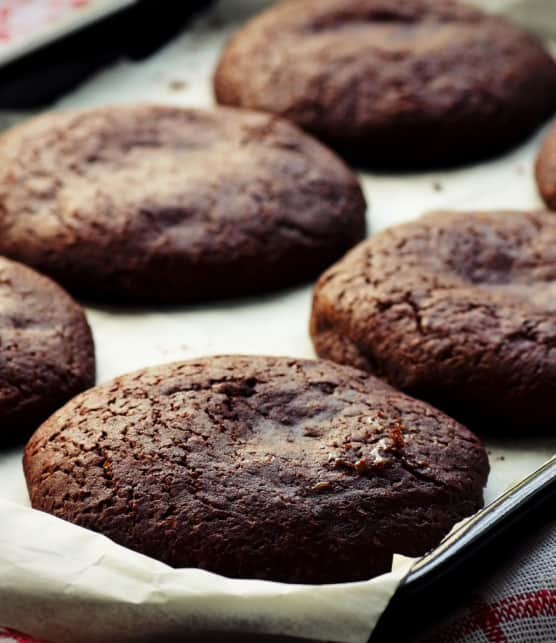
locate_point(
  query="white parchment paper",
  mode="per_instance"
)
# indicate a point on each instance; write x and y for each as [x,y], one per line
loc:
[65,584]
[69,584]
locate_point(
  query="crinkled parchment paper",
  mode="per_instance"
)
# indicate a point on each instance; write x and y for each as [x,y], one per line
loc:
[66,584]
[69,584]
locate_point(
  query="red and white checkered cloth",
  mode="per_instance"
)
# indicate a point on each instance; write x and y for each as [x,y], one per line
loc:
[517,605]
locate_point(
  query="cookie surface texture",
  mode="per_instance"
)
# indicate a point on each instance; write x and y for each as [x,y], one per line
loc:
[417,82]
[46,350]
[453,308]
[159,204]
[258,467]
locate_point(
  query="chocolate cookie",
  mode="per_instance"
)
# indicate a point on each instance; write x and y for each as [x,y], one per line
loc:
[455,308]
[161,204]
[390,82]
[258,467]
[545,170]
[46,350]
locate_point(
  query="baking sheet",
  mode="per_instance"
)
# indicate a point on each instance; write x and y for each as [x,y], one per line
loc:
[274,324]
[26,25]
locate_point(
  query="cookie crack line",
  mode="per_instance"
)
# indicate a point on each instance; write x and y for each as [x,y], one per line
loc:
[192,462]
[461,326]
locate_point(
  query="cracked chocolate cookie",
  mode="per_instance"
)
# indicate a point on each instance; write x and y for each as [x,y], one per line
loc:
[545,169]
[160,204]
[389,82]
[258,467]
[454,308]
[46,350]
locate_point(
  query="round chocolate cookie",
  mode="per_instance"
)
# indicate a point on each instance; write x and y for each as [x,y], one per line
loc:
[161,204]
[545,170]
[390,82]
[46,350]
[258,467]
[458,309]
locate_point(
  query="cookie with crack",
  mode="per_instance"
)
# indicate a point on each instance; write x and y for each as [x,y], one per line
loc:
[418,82]
[258,467]
[454,308]
[46,350]
[160,204]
